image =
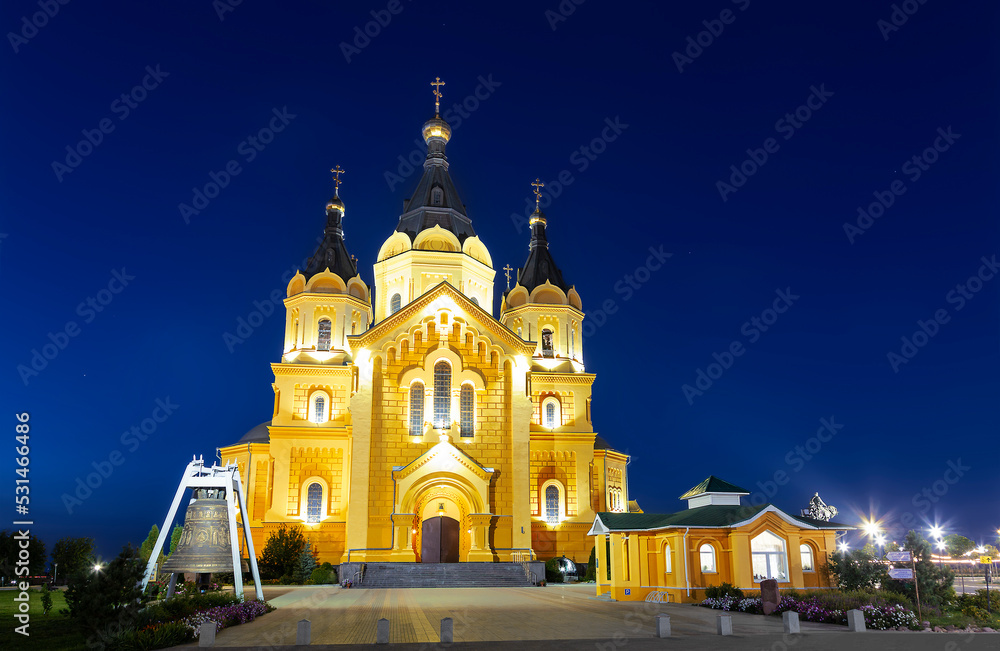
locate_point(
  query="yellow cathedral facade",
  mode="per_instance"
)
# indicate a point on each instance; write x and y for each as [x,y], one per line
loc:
[410,423]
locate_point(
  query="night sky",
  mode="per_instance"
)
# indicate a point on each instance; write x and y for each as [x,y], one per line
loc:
[743,157]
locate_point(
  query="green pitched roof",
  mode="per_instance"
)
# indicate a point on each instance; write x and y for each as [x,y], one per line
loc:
[715,515]
[713,485]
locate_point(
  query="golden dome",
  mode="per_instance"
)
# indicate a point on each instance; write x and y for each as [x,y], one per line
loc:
[335,204]
[436,128]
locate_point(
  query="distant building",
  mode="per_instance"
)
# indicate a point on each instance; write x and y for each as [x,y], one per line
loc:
[715,540]
[411,424]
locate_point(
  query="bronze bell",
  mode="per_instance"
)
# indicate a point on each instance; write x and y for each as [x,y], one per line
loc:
[205,545]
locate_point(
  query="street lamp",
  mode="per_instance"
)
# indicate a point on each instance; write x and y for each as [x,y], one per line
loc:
[97,567]
[937,531]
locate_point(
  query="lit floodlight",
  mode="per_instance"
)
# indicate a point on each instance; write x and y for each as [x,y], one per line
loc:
[843,547]
[871,528]
[879,540]
[940,544]
[937,531]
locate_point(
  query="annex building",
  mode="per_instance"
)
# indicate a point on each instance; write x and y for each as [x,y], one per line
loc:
[411,422]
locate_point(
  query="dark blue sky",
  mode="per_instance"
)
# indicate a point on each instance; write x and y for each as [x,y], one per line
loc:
[875,103]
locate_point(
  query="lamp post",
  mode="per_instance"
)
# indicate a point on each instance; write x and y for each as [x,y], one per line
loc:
[55,571]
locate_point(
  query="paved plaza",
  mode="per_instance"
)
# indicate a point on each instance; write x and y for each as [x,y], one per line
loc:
[554,617]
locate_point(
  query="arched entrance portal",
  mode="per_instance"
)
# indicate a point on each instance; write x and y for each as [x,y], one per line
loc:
[445,495]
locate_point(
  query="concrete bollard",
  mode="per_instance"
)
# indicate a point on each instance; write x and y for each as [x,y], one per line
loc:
[303,636]
[447,630]
[790,620]
[206,634]
[382,631]
[855,621]
[662,625]
[725,624]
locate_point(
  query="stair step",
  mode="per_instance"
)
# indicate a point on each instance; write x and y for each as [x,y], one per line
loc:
[444,575]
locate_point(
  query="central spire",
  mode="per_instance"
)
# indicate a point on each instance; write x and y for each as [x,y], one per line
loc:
[435,201]
[332,253]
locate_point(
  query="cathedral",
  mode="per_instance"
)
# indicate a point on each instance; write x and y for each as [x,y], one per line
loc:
[411,423]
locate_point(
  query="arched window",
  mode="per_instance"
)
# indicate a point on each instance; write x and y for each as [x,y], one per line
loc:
[475,300]
[295,334]
[323,342]
[417,409]
[769,560]
[547,343]
[318,412]
[437,197]
[806,554]
[467,409]
[572,343]
[519,332]
[551,412]
[395,303]
[314,502]
[707,553]
[442,395]
[552,504]
[668,561]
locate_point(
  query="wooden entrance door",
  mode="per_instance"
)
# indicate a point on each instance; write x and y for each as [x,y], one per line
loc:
[439,540]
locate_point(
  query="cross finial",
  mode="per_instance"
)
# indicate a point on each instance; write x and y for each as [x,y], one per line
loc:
[336,179]
[506,271]
[437,83]
[354,260]
[538,185]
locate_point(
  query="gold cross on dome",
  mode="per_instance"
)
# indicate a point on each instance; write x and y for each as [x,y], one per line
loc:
[538,185]
[336,176]
[354,260]
[437,83]
[506,271]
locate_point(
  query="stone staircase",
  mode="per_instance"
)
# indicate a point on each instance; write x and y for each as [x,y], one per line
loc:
[444,575]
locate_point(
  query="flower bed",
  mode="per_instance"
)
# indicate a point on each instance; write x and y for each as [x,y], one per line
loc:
[232,615]
[881,613]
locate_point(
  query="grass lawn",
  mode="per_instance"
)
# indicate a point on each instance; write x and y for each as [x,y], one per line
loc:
[52,631]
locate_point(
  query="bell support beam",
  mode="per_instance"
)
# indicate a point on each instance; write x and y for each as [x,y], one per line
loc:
[196,475]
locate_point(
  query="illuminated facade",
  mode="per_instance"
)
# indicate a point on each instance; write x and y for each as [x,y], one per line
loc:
[406,415]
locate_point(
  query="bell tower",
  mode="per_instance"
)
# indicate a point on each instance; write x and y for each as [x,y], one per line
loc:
[434,240]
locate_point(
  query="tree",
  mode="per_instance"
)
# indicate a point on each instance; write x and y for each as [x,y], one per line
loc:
[10,549]
[934,580]
[73,554]
[105,601]
[857,569]
[306,564]
[146,548]
[280,556]
[175,537]
[991,551]
[958,545]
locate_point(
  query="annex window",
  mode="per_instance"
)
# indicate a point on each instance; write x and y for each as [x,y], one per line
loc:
[323,342]
[806,554]
[395,303]
[318,412]
[475,300]
[769,560]
[552,504]
[707,553]
[417,409]
[314,502]
[442,395]
[668,563]
[467,409]
[547,343]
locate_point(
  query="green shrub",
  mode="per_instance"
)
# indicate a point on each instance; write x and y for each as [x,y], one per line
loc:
[46,600]
[160,635]
[552,573]
[321,576]
[722,591]
[591,574]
